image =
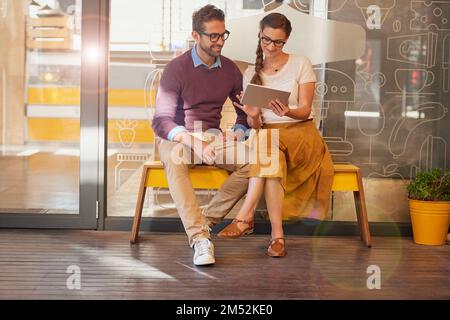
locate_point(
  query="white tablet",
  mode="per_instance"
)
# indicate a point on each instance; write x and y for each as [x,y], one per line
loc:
[260,96]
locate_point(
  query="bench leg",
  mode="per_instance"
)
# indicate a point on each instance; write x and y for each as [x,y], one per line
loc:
[139,206]
[361,213]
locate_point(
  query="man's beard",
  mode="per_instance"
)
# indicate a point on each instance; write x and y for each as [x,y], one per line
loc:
[211,52]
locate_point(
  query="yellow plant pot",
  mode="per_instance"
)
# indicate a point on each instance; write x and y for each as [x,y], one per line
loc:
[430,221]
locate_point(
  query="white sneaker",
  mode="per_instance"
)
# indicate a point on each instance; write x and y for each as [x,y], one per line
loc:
[203,252]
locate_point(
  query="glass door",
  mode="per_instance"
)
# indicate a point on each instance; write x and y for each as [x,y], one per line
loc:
[50,97]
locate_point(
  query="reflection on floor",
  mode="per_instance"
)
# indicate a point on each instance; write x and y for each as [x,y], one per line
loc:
[39,180]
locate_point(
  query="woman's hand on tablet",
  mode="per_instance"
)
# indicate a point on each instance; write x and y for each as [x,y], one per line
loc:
[279,108]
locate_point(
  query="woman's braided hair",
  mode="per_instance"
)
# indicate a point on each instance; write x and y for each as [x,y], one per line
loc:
[274,21]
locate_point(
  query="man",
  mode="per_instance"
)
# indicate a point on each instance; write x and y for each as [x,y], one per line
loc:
[192,90]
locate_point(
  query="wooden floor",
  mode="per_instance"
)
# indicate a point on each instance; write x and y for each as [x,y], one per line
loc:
[33,265]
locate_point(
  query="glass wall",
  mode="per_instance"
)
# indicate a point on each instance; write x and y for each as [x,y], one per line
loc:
[40,106]
[393,123]
[383,110]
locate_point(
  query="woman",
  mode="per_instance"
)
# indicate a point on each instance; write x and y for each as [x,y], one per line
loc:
[301,185]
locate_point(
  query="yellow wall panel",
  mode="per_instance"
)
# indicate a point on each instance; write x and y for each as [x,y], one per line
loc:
[68,130]
[130,97]
[71,96]
[56,96]
[128,131]
[46,129]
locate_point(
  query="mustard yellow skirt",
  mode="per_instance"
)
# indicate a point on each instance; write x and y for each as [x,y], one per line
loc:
[302,162]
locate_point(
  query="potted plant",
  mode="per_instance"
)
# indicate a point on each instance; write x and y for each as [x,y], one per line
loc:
[429,205]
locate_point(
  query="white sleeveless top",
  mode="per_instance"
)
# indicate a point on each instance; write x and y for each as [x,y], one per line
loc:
[297,70]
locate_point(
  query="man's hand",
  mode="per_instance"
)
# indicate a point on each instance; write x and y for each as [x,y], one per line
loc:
[203,150]
[209,153]
[251,111]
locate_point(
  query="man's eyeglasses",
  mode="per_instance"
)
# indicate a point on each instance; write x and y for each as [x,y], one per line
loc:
[267,41]
[214,37]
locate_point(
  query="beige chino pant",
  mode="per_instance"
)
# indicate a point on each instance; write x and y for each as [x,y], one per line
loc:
[231,156]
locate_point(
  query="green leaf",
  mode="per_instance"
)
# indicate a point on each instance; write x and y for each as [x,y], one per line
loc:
[430,185]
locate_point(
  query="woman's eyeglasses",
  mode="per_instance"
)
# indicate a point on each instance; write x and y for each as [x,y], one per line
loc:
[214,37]
[267,41]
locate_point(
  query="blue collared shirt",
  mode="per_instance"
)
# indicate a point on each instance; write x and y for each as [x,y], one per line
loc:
[198,62]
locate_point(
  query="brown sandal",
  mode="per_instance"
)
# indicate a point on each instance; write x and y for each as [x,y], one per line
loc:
[276,248]
[232,231]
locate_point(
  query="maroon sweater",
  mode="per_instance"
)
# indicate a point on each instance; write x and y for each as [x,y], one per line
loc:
[187,94]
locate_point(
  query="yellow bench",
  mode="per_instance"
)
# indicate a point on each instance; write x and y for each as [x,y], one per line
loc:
[346,178]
